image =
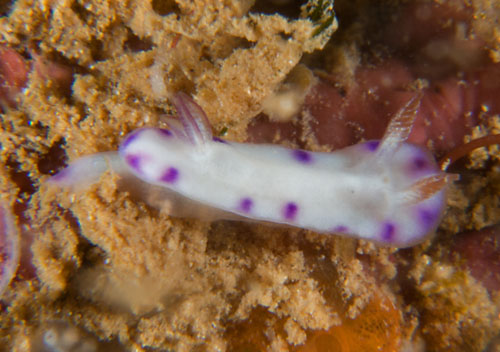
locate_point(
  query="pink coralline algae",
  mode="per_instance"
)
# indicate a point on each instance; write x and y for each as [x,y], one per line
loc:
[342,117]
[481,252]
[14,70]
[9,248]
[13,76]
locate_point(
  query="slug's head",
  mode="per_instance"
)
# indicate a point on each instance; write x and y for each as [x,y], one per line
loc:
[414,184]
[418,197]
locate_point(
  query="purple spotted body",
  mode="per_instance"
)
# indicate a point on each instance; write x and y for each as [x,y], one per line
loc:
[170,175]
[419,163]
[134,161]
[340,229]
[383,191]
[388,232]
[165,132]
[245,205]
[220,140]
[290,211]
[372,145]
[428,216]
[302,156]
[130,138]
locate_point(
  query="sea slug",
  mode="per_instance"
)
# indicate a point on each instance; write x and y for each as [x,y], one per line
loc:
[386,191]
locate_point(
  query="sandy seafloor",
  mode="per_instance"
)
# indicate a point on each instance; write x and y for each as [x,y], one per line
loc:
[104,271]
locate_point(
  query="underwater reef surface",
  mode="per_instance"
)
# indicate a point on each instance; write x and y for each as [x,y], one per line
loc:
[100,270]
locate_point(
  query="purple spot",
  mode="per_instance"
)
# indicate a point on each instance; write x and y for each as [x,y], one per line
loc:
[246,205]
[165,132]
[388,232]
[133,161]
[129,139]
[290,211]
[372,145]
[341,229]
[428,217]
[419,163]
[170,176]
[302,156]
[217,139]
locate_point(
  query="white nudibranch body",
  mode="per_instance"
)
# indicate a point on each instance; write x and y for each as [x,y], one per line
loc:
[385,191]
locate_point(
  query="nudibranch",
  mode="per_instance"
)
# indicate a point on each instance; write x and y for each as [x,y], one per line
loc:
[386,191]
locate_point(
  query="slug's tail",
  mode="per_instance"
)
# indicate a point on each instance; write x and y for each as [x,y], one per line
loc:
[87,170]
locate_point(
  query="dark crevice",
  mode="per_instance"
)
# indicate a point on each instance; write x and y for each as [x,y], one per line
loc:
[5,7]
[54,159]
[243,43]
[96,50]
[285,36]
[20,178]
[41,128]
[165,7]
[25,185]
[81,11]
[136,44]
